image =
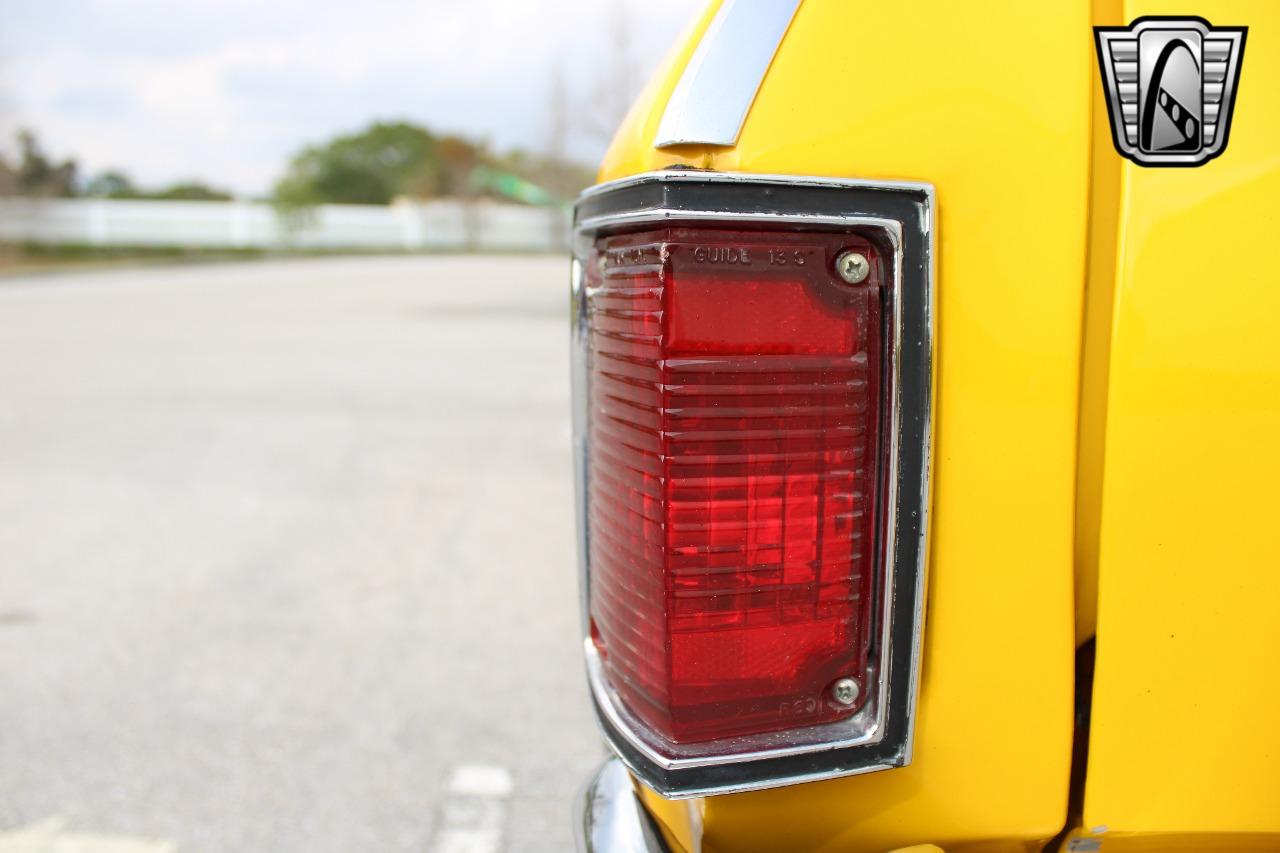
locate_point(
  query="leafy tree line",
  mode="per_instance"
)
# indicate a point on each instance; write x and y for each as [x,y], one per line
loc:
[116,184]
[383,162]
[390,160]
[35,175]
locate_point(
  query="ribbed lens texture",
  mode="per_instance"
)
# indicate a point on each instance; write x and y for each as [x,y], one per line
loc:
[733,431]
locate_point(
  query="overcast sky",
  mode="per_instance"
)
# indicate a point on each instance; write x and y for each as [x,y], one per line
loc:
[226,90]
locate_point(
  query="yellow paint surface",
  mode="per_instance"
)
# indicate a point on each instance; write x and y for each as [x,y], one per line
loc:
[1185,735]
[905,91]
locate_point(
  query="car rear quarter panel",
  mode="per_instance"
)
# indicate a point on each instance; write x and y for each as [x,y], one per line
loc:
[1184,744]
[989,102]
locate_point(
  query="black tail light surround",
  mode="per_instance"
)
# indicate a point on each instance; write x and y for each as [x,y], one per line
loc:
[752,377]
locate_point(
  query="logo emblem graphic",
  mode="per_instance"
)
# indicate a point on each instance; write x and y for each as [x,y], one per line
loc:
[1170,86]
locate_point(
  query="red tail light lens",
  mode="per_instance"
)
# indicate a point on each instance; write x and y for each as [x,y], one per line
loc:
[751,423]
[734,422]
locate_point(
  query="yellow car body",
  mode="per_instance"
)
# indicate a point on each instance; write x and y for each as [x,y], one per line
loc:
[1106,446]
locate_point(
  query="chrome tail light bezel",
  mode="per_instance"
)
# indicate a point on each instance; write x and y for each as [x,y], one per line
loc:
[900,217]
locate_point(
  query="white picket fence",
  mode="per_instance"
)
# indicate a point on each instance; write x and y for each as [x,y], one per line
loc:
[404,226]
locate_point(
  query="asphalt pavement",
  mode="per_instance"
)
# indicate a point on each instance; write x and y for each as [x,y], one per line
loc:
[286,558]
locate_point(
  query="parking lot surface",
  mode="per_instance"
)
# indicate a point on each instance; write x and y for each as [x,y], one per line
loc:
[286,559]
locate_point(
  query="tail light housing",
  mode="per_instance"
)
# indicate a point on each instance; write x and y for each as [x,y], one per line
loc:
[752,382]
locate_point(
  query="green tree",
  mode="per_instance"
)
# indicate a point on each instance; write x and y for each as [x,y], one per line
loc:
[191,191]
[111,184]
[35,174]
[389,160]
[116,184]
[370,167]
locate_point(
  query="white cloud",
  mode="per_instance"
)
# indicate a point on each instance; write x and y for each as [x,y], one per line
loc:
[226,90]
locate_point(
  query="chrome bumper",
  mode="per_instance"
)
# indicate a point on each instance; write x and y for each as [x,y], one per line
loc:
[609,817]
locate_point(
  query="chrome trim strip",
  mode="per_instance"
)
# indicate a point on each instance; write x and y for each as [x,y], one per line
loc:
[578,422]
[658,217]
[609,817]
[926,483]
[676,176]
[868,741]
[710,103]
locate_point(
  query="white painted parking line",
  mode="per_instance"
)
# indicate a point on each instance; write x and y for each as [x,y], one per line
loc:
[480,780]
[48,836]
[475,811]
